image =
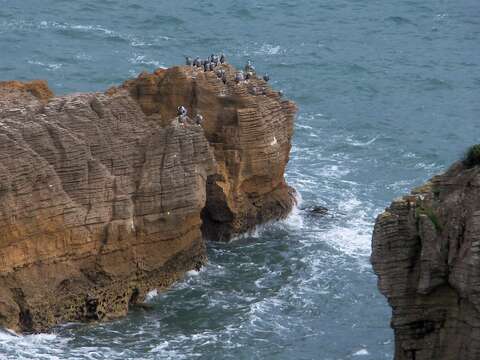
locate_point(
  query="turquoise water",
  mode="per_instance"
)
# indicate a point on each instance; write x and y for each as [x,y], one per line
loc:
[388,96]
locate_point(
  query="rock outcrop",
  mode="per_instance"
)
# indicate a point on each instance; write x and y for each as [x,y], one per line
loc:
[104,197]
[249,127]
[426,255]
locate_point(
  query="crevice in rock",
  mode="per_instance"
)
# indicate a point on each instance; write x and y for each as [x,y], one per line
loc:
[91,304]
[24,317]
[216,216]
[134,297]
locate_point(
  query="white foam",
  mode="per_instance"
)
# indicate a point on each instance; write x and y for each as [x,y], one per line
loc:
[138,43]
[333,171]
[269,49]
[295,219]
[360,143]
[192,273]
[52,66]
[362,352]
[300,126]
[151,295]
[142,60]
[353,237]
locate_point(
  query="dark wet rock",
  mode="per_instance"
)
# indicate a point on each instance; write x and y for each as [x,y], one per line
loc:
[317,210]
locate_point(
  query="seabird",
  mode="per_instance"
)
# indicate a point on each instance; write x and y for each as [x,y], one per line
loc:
[249,67]
[181,111]
[198,119]
[239,77]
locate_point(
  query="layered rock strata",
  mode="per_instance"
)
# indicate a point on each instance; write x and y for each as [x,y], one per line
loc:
[249,127]
[426,255]
[105,196]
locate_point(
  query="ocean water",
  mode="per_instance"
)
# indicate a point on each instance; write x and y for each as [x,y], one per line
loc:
[388,94]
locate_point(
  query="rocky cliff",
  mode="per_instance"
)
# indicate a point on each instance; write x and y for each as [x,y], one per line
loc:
[105,196]
[426,255]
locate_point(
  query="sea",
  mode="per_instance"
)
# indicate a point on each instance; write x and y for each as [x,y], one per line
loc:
[388,96]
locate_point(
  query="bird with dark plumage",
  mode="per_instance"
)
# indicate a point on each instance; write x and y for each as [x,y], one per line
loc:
[181,111]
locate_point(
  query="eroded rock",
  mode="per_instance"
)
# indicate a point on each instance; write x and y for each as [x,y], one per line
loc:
[103,195]
[425,253]
[250,135]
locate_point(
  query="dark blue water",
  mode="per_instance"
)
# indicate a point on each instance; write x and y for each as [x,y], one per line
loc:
[388,95]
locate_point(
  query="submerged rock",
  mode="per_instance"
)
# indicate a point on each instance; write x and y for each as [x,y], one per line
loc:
[425,253]
[104,197]
[317,210]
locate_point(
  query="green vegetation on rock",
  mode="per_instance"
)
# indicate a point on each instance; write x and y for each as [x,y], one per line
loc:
[431,215]
[472,156]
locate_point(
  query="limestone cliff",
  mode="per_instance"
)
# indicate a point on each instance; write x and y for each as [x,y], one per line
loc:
[426,255]
[249,127]
[104,196]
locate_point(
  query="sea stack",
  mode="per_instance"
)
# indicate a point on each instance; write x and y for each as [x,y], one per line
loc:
[425,253]
[104,198]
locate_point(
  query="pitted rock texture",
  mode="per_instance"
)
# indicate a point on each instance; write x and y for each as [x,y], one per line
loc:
[426,255]
[104,196]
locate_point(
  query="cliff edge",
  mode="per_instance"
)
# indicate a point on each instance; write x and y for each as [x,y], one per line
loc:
[106,196]
[426,255]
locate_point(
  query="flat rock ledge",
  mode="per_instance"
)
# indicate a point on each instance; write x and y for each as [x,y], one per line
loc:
[106,196]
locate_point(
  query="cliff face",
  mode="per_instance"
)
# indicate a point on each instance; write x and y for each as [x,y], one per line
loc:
[426,255]
[249,127]
[103,196]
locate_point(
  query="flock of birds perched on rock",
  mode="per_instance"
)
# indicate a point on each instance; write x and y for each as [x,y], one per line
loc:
[212,63]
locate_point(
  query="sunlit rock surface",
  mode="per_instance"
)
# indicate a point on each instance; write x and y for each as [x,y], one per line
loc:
[105,197]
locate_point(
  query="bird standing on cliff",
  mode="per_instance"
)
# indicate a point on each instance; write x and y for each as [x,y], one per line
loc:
[249,67]
[223,60]
[239,77]
[198,119]
[188,60]
[182,111]
[266,77]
